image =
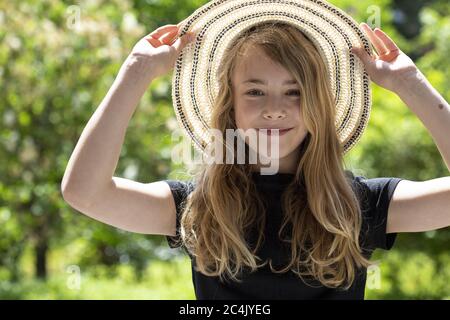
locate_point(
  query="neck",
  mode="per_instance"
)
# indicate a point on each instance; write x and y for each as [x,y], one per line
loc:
[286,164]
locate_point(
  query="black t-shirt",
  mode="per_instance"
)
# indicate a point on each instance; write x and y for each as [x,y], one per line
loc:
[374,195]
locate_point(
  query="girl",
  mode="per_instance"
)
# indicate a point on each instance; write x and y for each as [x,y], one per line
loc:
[306,232]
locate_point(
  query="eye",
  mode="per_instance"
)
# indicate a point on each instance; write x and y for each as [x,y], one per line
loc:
[252,92]
[295,91]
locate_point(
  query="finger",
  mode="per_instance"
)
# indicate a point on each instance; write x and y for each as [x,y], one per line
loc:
[183,41]
[161,30]
[168,38]
[390,56]
[376,42]
[181,26]
[388,42]
[154,42]
[362,55]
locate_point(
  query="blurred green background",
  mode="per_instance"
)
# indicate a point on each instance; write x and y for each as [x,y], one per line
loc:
[57,61]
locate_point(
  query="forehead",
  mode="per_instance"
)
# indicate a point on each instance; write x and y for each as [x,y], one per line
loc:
[256,64]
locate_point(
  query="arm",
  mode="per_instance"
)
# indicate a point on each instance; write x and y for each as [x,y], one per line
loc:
[415,205]
[423,205]
[430,107]
[88,184]
[95,157]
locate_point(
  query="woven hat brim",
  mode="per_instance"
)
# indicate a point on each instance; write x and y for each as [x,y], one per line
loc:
[219,22]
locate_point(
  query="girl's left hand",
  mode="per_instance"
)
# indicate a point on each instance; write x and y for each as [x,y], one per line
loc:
[389,65]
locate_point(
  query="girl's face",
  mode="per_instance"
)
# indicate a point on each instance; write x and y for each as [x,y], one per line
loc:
[266,96]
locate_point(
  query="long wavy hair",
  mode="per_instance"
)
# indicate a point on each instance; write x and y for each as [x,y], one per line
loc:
[320,226]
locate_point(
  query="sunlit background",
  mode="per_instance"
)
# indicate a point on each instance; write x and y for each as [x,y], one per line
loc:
[57,61]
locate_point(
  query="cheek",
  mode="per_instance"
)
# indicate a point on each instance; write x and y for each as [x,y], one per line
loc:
[299,137]
[238,117]
[298,116]
[242,115]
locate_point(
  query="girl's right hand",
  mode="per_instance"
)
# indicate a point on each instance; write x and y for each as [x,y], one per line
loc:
[162,46]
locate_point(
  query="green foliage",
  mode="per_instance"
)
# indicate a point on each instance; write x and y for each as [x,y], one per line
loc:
[162,280]
[412,275]
[54,73]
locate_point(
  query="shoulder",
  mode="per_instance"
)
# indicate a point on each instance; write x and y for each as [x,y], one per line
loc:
[180,190]
[180,186]
[375,191]
[375,195]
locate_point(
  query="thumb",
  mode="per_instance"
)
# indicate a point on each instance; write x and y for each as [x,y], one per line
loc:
[362,55]
[183,41]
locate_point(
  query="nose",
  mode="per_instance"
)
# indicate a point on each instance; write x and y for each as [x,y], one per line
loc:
[274,114]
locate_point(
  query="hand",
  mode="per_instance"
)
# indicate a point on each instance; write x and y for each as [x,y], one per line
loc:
[162,46]
[389,66]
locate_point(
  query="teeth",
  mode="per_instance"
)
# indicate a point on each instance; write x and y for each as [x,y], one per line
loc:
[274,132]
[275,129]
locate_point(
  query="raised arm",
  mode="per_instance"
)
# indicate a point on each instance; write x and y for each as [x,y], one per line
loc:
[416,206]
[88,184]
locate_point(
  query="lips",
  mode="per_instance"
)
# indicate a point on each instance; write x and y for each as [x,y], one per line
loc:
[272,131]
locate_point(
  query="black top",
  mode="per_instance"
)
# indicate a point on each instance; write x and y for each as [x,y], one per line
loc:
[374,199]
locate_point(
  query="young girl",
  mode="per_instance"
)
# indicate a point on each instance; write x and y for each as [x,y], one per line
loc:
[306,232]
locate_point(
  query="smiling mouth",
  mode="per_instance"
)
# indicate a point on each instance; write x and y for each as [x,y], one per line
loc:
[270,132]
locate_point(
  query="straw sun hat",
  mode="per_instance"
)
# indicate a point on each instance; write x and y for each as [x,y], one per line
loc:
[217,23]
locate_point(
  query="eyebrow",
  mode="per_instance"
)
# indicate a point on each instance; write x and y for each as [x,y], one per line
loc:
[259,81]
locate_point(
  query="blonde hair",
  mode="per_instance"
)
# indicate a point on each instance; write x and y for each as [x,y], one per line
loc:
[325,222]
